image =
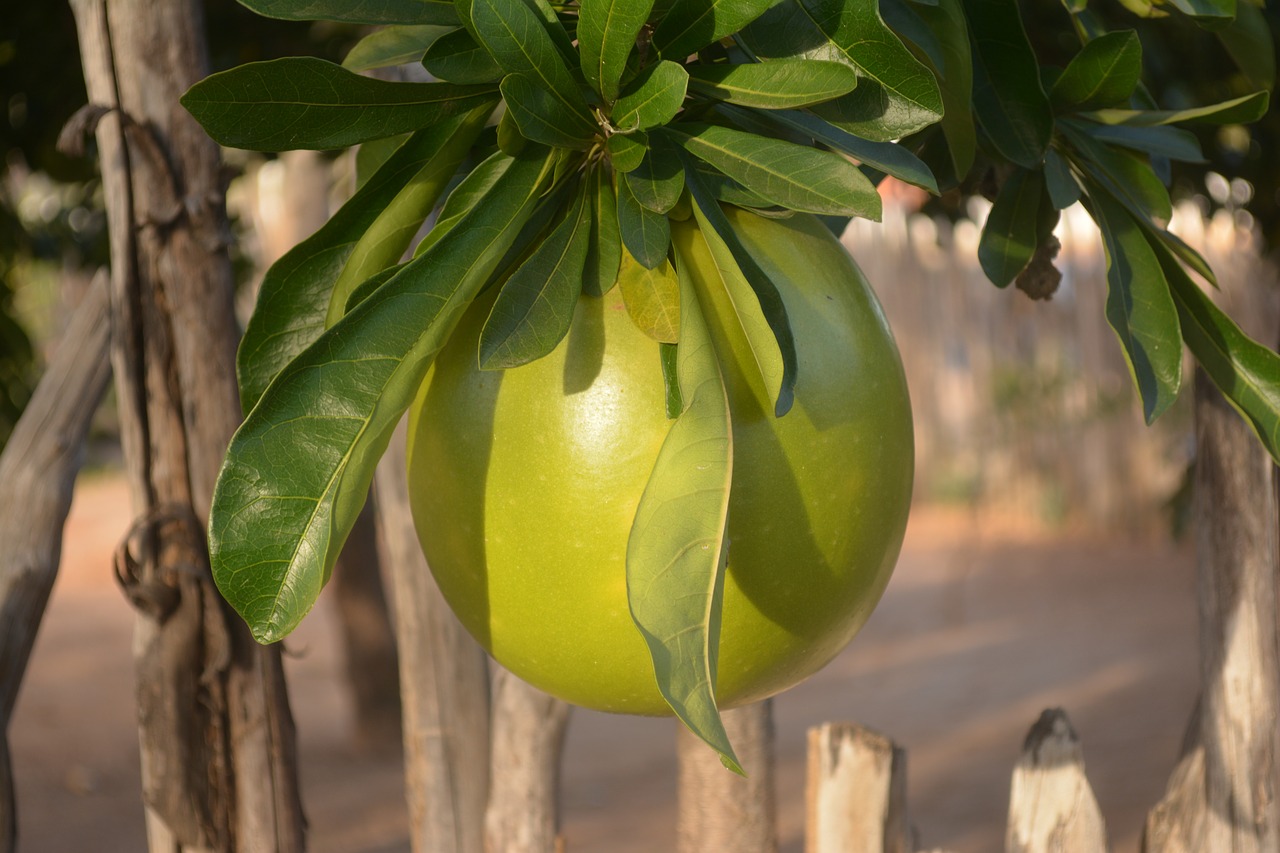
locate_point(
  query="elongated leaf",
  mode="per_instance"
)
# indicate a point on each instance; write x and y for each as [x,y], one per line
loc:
[1247,372]
[604,255]
[1125,175]
[1061,185]
[396,45]
[1104,72]
[794,176]
[1242,110]
[1212,12]
[675,553]
[1184,253]
[646,235]
[521,44]
[888,157]
[652,297]
[299,468]
[669,355]
[627,151]
[659,179]
[1012,108]
[653,98]
[358,11]
[690,25]
[1248,40]
[896,94]
[1139,306]
[303,102]
[541,117]
[535,306]
[1160,141]
[775,85]
[607,31]
[464,196]
[1009,237]
[457,58]
[295,294]
[938,35]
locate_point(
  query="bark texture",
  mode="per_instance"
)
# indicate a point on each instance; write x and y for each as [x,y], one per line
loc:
[1052,809]
[856,794]
[217,738]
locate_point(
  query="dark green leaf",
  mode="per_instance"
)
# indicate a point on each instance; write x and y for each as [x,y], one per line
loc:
[358,11]
[626,151]
[659,179]
[1062,186]
[669,353]
[298,469]
[1189,256]
[607,31]
[510,140]
[1139,306]
[535,306]
[652,99]
[541,117]
[303,102]
[1125,175]
[1242,110]
[676,553]
[690,25]
[896,95]
[1244,370]
[368,286]
[774,85]
[652,297]
[394,46]
[1103,73]
[794,176]
[647,235]
[604,255]
[1160,141]
[1011,107]
[468,193]
[457,58]
[1009,237]
[1209,11]
[295,294]
[1248,40]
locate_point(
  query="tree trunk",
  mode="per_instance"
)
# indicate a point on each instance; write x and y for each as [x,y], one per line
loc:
[1221,796]
[37,471]
[216,734]
[720,811]
[444,677]
[1051,806]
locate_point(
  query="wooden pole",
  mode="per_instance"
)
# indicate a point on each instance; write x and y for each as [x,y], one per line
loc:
[856,794]
[37,471]
[1051,806]
[217,739]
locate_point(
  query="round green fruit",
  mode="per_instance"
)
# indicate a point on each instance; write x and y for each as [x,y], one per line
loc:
[524,482]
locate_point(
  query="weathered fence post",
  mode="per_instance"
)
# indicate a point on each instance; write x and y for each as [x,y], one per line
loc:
[1221,796]
[1051,806]
[856,793]
[719,811]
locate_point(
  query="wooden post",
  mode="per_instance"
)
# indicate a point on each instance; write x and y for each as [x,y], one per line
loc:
[528,738]
[1221,796]
[444,678]
[856,795]
[216,734]
[1051,806]
[720,811]
[37,471]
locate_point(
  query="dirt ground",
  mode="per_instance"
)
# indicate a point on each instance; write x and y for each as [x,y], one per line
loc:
[983,626]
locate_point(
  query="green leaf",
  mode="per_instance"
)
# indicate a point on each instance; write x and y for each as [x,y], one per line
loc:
[794,176]
[1210,12]
[669,355]
[1062,186]
[690,25]
[659,179]
[888,157]
[1125,175]
[676,550]
[468,193]
[397,45]
[1009,237]
[298,470]
[1248,40]
[627,151]
[521,44]
[294,297]
[535,306]
[896,94]
[1242,110]
[652,297]
[652,99]
[604,255]
[1103,73]
[541,117]
[358,11]
[1187,255]
[938,35]
[303,102]
[607,31]
[1139,306]
[1012,108]
[774,85]
[1160,141]
[645,234]
[369,285]
[1247,372]
[457,58]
